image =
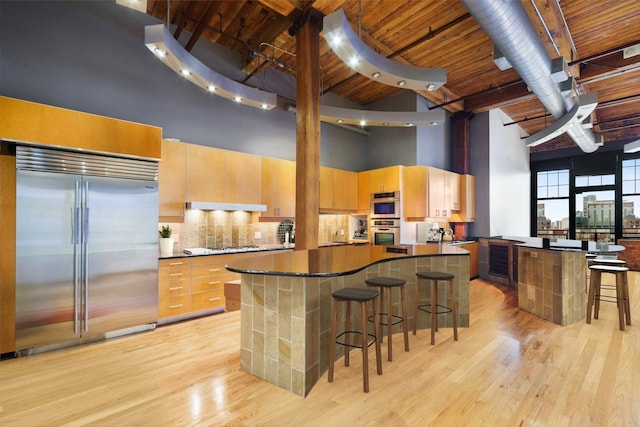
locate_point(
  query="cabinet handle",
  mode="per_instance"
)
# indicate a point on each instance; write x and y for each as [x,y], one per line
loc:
[175,288]
[175,274]
[214,283]
[176,263]
[175,306]
[214,269]
[214,299]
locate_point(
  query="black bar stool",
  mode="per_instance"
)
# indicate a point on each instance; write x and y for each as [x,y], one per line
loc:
[392,319]
[433,307]
[361,295]
[617,268]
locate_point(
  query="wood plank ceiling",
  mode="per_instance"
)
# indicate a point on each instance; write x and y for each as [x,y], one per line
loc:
[591,35]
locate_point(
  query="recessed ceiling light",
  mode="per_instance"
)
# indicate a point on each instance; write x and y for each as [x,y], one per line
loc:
[185,72]
[354,61]
[363,122]
[402,83]
[434,123]
[431,87]
[237,99]
[409,124]
[264,106]
[211,88]
[160,52]
[385,124]
[339,120]
[375,75]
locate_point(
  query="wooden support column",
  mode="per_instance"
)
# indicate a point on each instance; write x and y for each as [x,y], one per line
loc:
[461,127]
[307,33]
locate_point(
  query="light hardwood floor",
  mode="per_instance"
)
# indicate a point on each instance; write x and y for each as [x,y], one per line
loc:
[509,368]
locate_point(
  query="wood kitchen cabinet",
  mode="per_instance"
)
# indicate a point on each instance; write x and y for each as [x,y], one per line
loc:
[207,284]
[338,190]
[174,287]
[206,174]
[243,178]
[442,193]
[467,191]
[61,127]
[364,192]
[452,190]
[278,188]
[8,258]
[384,179]
[171,181]
[414,193]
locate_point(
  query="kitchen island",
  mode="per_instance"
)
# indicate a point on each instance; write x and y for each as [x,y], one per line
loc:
[286,303]
[551,275]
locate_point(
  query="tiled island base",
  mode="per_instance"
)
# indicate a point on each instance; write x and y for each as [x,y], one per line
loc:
[286,319]
[552,284]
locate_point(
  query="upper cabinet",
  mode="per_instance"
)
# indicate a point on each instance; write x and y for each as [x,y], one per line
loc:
[206,174]
[216,175]
[452,190]
[429,192]
[243,174]
[171,181]
[384,179]
[338,190]
[467,212]
[364,192]
[414,193]
[278,187]
[44,124]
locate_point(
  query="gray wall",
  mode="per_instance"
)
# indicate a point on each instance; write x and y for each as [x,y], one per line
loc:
[90,56]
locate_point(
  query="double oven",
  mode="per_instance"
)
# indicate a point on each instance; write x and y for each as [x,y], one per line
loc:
[385,218]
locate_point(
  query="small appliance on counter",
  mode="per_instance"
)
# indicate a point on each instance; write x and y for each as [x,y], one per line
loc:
[358,227]
[433,232]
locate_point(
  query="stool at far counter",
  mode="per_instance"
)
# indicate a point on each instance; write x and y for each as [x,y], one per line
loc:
[388,283]
[361,295]
[433,306]
[617,268]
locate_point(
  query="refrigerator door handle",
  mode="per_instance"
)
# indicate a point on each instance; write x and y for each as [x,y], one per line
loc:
[85,252]
[76,230]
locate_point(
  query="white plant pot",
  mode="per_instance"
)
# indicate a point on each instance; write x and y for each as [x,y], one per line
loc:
[166,245]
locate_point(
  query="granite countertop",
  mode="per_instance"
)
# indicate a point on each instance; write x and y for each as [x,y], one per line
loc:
[563,244]
[266,248]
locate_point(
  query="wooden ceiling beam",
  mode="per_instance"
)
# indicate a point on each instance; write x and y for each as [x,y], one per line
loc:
[202,24]
[498,97]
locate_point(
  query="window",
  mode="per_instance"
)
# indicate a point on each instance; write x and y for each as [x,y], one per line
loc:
[630,198]
[552,206]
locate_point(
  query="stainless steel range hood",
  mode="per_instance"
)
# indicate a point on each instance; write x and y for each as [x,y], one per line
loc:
[221,206]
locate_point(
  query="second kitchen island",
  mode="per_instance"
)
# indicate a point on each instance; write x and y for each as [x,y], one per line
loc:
[286,304]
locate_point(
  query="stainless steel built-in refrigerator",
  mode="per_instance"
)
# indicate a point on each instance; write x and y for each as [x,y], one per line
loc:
[86,247]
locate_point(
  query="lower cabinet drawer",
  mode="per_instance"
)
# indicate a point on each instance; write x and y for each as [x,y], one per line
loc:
[207,300]
[173,306]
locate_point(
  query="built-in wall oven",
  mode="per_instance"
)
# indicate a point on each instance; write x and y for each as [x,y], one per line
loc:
[385,231]
[385,205]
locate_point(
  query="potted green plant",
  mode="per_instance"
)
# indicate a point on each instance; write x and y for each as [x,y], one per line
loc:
[166,241]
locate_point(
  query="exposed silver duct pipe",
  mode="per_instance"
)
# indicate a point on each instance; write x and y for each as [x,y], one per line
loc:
[508,26]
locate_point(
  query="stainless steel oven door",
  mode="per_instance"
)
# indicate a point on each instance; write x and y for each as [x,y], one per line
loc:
[385,231]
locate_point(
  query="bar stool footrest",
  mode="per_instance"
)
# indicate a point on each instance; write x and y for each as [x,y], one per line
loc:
[398,319]
[443,308]
[369,343]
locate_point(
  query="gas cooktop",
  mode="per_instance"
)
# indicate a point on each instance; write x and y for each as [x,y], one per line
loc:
[223,250]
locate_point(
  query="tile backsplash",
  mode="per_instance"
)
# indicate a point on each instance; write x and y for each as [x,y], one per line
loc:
[203,229]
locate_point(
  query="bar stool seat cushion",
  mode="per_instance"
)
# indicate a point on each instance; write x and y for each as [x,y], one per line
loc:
[435,275]
[355,294]
[385,281]
[608,268]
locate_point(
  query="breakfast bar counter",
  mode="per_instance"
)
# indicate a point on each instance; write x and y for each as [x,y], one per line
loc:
[286,303]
